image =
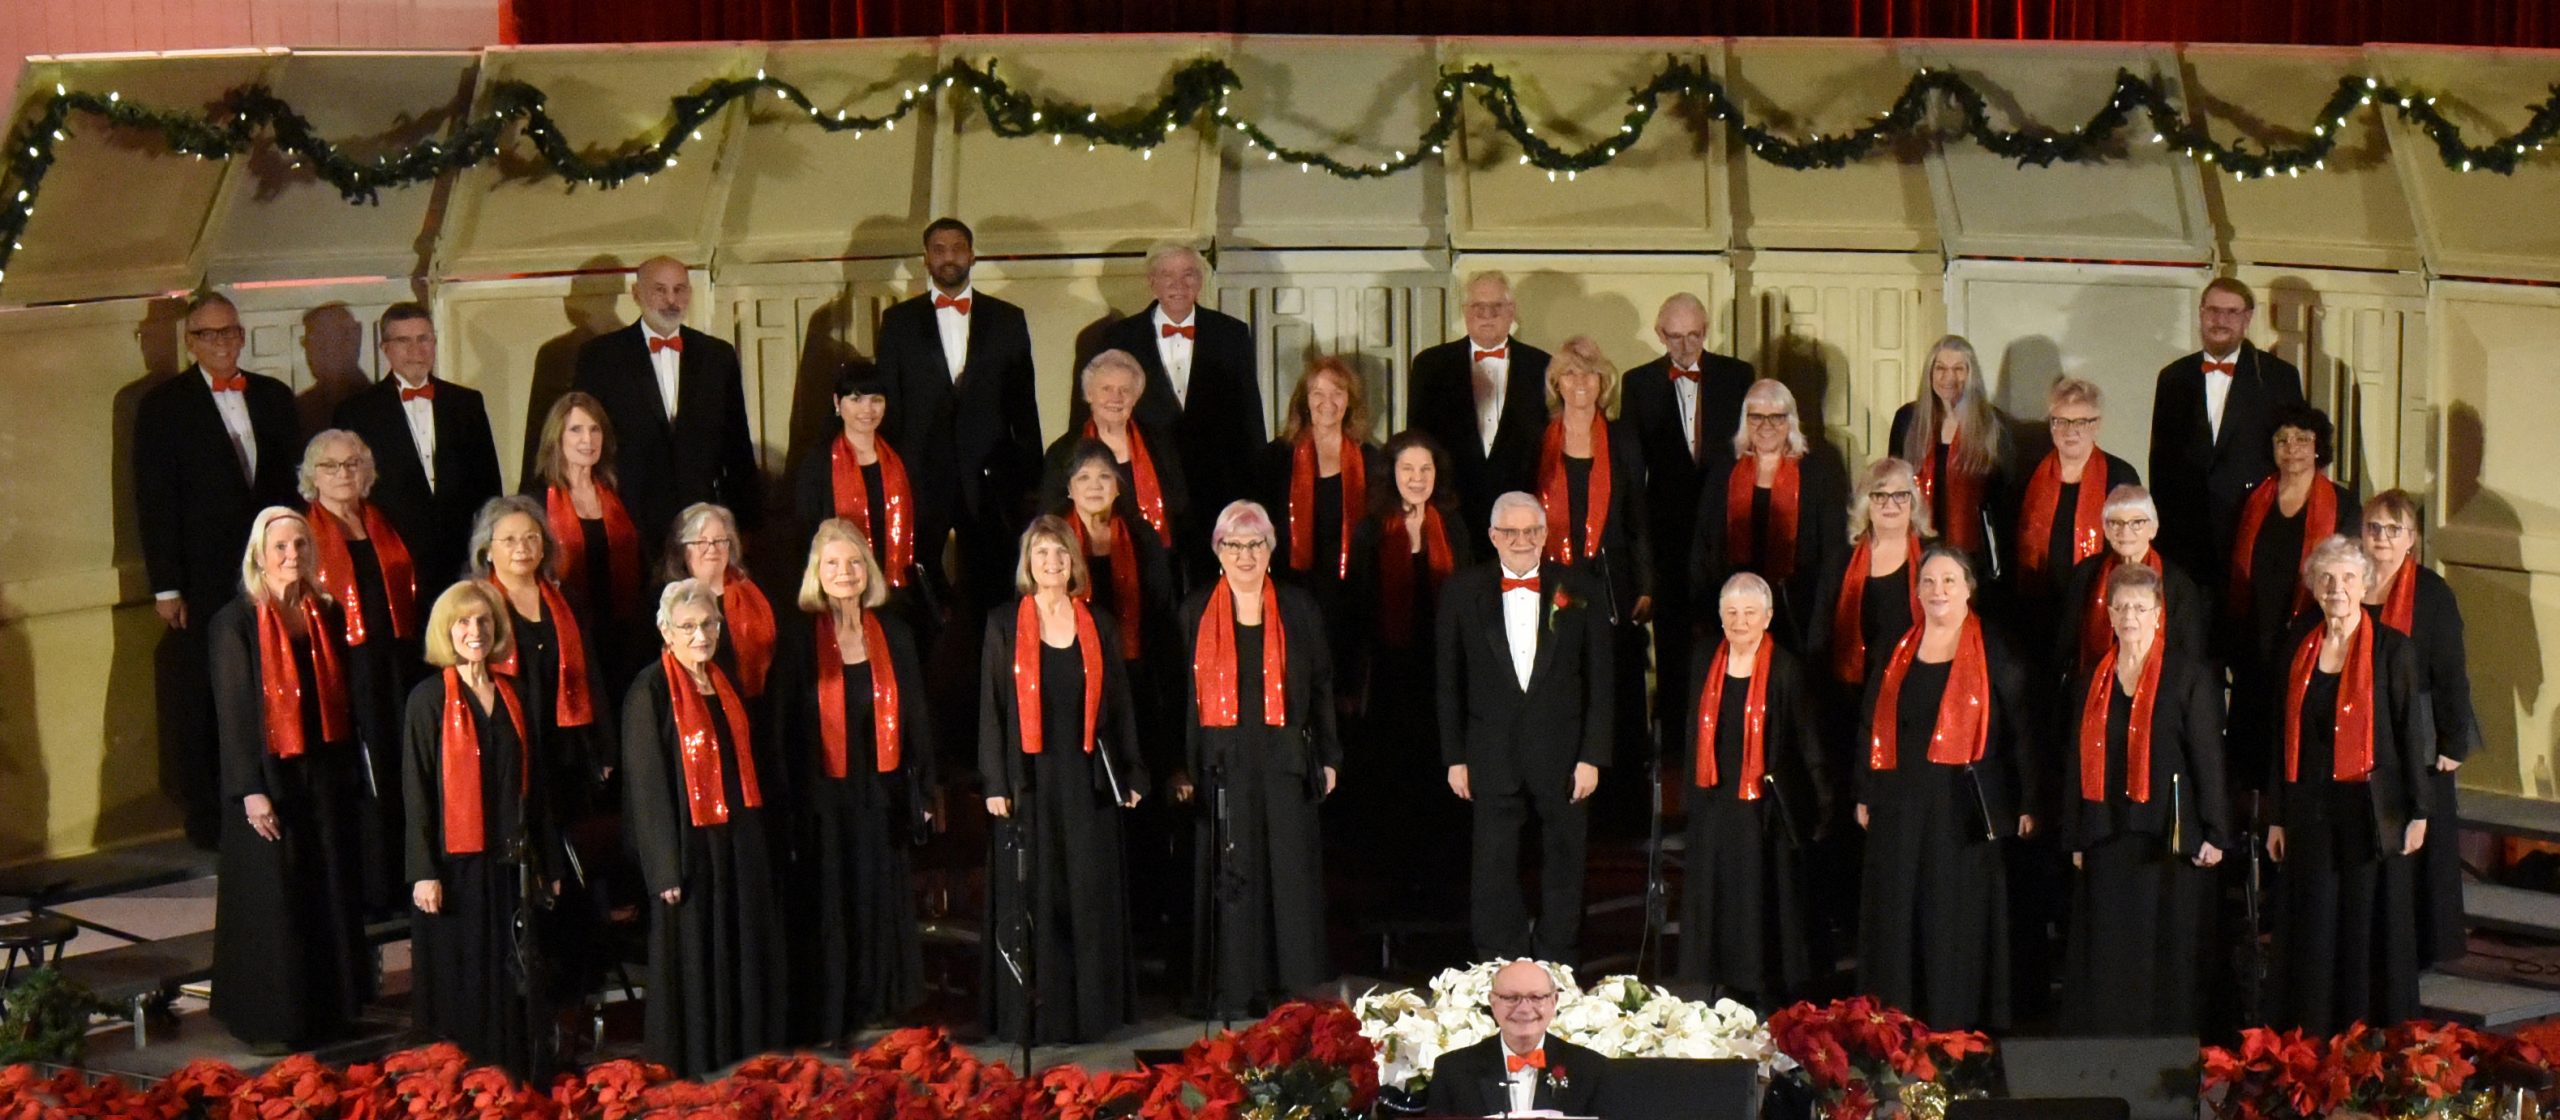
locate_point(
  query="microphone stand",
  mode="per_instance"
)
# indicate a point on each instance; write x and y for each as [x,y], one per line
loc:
[1208,972]
[1657,887]
[1022,959]
[532,896]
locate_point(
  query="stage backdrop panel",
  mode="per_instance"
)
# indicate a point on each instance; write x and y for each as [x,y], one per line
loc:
[1359,99]
[2476,224]
[2112,325]
[1801,87]
[2351,215]
[800,192]
[2360,339]
[1849,334]
[1376,307]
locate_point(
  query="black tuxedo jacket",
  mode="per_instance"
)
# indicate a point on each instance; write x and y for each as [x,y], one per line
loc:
[1471,1081]
[1507,736]
[1649,407]
[188,494]
[1224,414]
[974,442]
[434,523]
[2198,479]
[704,455]
[2186,745]
[1440,399]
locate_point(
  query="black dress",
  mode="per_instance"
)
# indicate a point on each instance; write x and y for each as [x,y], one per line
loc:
[717,987]
[1743,906]
[2254,631]
[1392,777]
[379,673]
[2443,666]
[1330,523]
[290,963]
[1820,545]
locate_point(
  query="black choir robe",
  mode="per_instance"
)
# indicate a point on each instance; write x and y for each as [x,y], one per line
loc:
[2250,636]
[1473,1081]
[1334,521]
[1392,773]
[1271,932]
[1223,413]
[379,674]
[1822,511]
[2200,478]
[704,454]
[1649,408]
[1624,563]
[1743,909]
[971,443]
[2443,667]
[1999,491]
[435,521]
[813,499]
[1440,399]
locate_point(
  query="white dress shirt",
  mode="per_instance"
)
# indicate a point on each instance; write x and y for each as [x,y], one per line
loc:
[1523,1082]
[421,414]
[667,362]
[1685,393]
[1492,383]
[955,332]
[1520,625]
[1176,352]
[2217,391]
[234,408]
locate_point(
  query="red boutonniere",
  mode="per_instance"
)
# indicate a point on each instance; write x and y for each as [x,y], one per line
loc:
[1563,599]
[1559,1077]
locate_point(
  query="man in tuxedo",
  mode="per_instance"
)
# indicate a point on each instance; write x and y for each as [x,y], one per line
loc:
[1521,1067]
[435,462]
[1524,728]
[678,407]
[2212,426]
[1484,397]
[1202,387]
[1684,408]
[211,447]
[962,410]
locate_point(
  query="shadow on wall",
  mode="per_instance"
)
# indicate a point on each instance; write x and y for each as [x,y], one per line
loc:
[592,308]
[825,353]
[25,793]
[333,350]
[2497,608]
[130,720]
[1560,298]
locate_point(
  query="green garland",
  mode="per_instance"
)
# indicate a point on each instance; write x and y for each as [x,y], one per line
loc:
[1198,95]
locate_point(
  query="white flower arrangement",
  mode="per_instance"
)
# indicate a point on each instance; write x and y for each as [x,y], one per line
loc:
[1619,1017]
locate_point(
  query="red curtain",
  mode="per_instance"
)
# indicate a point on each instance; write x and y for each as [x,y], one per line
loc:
[2517,23]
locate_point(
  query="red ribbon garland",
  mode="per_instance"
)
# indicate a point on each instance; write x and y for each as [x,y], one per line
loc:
[1213,669]
[2035,518]
[896,547]
[1026,672]
[1125,603]
[336,570]
[750,618]
[1302,502]
[280,685]
[1848,630]
[621,538]
[2319,521]
[884,695]
[1963,730]
[1395,571]
[698,745]
[1150,493]
[2093,724]
[1559,505]
[458,750]
[2352,758]
[1755,721]
[571,706]
[1785,495]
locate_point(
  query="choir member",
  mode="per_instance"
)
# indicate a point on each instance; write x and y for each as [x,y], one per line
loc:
[1321,474]
[1203,387]
[1958,446]
[2081,630]
[1946,778]
[211,446]
[2145,813]
[694,809]
[290,965]
[1759,792]
[1520,1068]
[602,545]
[2284,519]
[676,399]
[1263,744]
[1151,483]
[850,711]
[959,367]
[1480,397]
[1773,507]
[1405,551]
[546,657]
[2212,413]
[1679,407]
[2352,799]
[1591,484]
[2061,515]
[436,461]
[704,546]
[864,480]
[475,829]
[359,559]
[1525,697]
[2415,601]
[1057,747]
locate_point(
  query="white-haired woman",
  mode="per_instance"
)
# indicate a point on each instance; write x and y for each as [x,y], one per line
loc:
[1958,446]
[1058,749]
[1758,793]
[2061,515]
[290,965]
[852,726]
[704,545]
[1153,492]
[2082,632]
[694,792]
[358,559]
[2348,780]
[2144,810]
[1776,512]
[1263,741]
[2411,598]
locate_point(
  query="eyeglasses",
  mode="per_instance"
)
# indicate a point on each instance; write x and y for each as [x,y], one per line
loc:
[710,543]
[2132,608]
[2126,524]
[1533,532]
[2384,530]
[529,540]
[336,466]
[2072,423]
[217,334]
[689,629]
[1245,547]
[1766,419]
[1515,999]
[1482,307]
[1892,497]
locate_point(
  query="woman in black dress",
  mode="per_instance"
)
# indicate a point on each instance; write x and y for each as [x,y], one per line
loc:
[1264,748]
[2284,518]
[547,657]
[359,560]
[1152,492]
[1945,780]
[1757,793]
[1958,446]
[705,547]
[2143,811]
[1320,477]
[290,964]
[694,808]
[849,702]
[2351,791]
[476,828]
[1776,512]
[1590,481]
[2062,508]
[1406,547]
[603,555]
[860,478]
[2082,632]
[2415,601]
[1058,749]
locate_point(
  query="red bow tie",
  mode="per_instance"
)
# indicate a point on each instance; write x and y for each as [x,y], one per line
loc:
[236,383]
[675,343]
[2227,369]
[1496,354]
[426,392]
[1510,585]
[1535,1059]
[1685,374]
[1192,331]
[960,305]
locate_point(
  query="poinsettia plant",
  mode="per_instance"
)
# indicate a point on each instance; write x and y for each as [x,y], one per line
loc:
[1856,1052]
[2409,1072]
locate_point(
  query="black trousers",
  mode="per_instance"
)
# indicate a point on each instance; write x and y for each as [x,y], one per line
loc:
[1499,917]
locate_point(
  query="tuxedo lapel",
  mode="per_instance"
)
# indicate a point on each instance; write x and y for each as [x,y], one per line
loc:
[208,421]
[1548,582]
[977,339]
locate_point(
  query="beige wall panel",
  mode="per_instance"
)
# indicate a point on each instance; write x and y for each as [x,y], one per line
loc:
[1847,333]
[1798,87]
[1361,99]
[2146,206]
[79,753]
[2469,223]
[93,236]
[1660,195]
[2493,350]
[1377,307]
[2352,215]
[283,222]
[1027,195]
[801,192]
[2510,620]
[2113,325]
[514,215]
[2360,340]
